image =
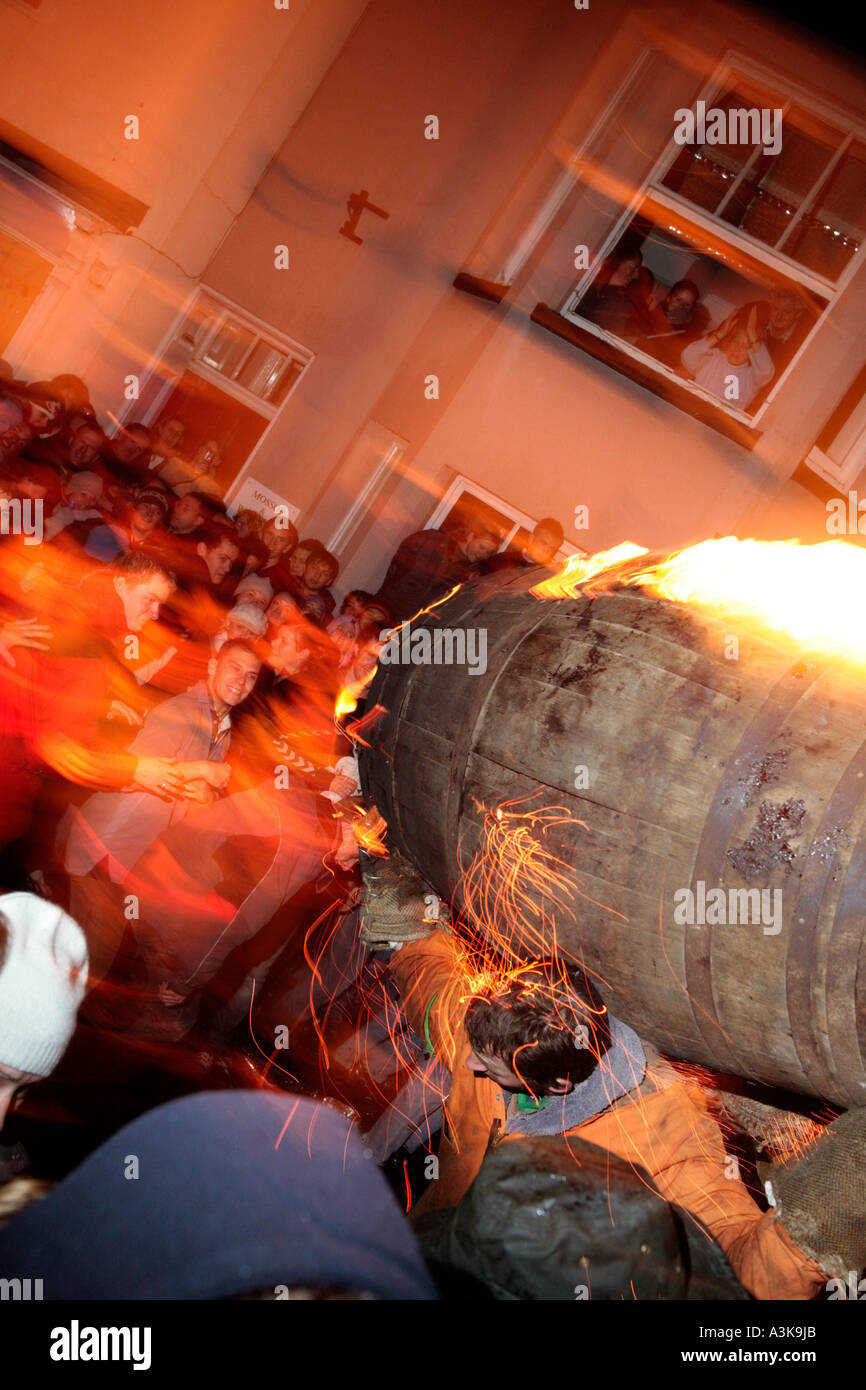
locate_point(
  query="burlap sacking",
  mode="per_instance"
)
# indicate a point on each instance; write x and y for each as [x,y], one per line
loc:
[395,902]
[821,1198]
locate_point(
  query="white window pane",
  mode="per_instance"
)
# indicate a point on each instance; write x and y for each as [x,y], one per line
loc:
[228,348]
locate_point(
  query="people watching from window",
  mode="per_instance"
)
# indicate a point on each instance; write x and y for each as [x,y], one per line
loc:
[732,361]
[677,318]
[617,298]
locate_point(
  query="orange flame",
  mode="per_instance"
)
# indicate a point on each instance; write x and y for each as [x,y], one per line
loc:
[787,587]
[346,703]
[370,830]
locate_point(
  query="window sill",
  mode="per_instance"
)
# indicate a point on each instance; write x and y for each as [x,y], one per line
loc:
[490,290]
[656,382]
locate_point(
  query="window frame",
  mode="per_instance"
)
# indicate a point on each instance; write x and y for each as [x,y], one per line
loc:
[228,312]
[653,193]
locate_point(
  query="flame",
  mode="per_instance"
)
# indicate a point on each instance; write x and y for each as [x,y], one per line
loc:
[798,590]
[579,569]
[370,830]
[346,703]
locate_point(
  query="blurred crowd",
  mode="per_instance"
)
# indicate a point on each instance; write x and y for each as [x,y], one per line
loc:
[172,770]
[195,897]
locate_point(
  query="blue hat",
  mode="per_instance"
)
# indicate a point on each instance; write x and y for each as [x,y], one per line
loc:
[216,1195]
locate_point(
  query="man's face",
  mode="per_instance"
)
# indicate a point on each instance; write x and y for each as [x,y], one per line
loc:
[373,621]
[627,271]
[141,600]
[220,559]
[317,572]
[543,545]
[232,676]
[489,1065]
[169,434]
[84,446]
[276,541]
[239,632]
[281,609]
[186,515]
[784,312]
[479,546]
[679,306]
[298,561]
[11,1079]
[129,445]
[143,518]
[45,416]
[79,497]
[288,653]
[15,438]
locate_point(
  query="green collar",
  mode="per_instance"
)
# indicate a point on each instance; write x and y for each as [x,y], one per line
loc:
[530,1106]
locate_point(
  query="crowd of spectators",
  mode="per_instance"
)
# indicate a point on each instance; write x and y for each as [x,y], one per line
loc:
[183,834]
[171,766]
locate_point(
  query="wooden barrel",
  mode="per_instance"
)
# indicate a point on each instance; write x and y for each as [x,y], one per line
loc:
[702,754]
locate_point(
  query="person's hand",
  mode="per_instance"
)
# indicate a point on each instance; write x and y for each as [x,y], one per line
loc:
[343,787]
[214,775]
[158,776]
[725,327]
[24,632]
[346,856]
[753,332]
[197,789]
[118,710]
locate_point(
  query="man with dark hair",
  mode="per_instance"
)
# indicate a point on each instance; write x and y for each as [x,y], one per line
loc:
[547,1017]
[133,530]
[536,1054]
[204,567]
[312,591]
[130,448]
[216,551]
[429,563]
[187,514]
[538,548]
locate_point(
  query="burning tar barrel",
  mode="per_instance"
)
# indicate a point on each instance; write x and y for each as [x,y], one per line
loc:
[714,775]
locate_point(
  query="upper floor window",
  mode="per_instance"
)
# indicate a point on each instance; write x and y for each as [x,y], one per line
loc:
[806,199]
[724,260]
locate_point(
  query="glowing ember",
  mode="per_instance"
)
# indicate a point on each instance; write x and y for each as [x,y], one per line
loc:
[370,830]
[799,590]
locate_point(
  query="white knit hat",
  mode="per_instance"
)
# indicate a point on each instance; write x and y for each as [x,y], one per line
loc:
[247,615]
[43,972]
[258,583]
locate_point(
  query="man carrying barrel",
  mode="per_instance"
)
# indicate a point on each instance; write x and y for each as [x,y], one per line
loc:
[538,1054]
